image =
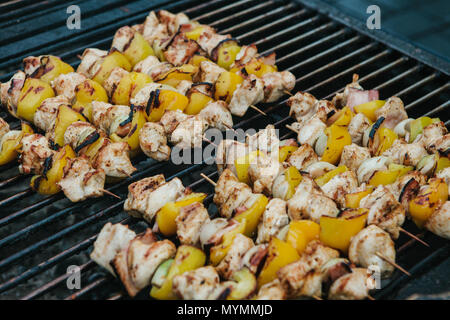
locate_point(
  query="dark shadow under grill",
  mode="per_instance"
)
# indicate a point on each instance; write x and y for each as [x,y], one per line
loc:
[41,236]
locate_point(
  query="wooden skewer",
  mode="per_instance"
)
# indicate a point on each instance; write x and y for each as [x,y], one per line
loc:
[125,173]
[291,128]
[257,109]
[414,237]
[393,263]
[316,297]
[208,179]
[288,93]
[210,142]
[110,193]
[370,297]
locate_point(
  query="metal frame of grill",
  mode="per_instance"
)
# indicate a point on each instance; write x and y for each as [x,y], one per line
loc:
[41,236]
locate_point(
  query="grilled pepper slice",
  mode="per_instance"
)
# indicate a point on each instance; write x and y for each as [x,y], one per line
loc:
[138,119]
[442,163]
[177,74]
[241,164]
[279,254]
[112,60]
[48,183]
[259,68]
[12,142]
[338,138]
[369,108]
[225,53]
[383,140]
[85,93]
[225,85]
[309,229]
[65,117]
[337,232]
[389,176]
[196,59]
[34,91]
[165,100]
[166,216]
[323,179]
[428,199]
[352,200]
[252,215]
[128,86]
[187,258]
[218,252]
[197,101]
[138,50]
[51,67]
[285,151]
[342,117]
[293,177]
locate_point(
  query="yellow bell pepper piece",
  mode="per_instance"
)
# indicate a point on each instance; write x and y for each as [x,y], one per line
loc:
[416,126]
[428,199]
[252,215]
[390,175]
[343,117]
[48,184]
[218,252]
[167,100]
[187,258]
[258,68]
[309,228]
[197,101]
[385,138]
[54,67]
[338,138]
[337,232]
[128,86]
[85,93]
[352,200]
[113,60]
[225,86]
[227,54]
[132,138]
[65,117]
[138,50]
[442,163]
[279,254]
[34,91]
[296,238]
[369,108]
[166,216]
[285,152]
[195,33]
[246,285]
[241,164]
[323,179]
[197,59]
[10,147]
[293,177]
[177,74]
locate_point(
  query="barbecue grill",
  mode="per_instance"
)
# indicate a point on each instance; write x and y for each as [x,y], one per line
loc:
[41,236]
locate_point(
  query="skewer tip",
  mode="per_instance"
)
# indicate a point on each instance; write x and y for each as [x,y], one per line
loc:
[414,237]
[259,110]
[208,179]
[288,93]
[291,128]
[111,194]
[393,263]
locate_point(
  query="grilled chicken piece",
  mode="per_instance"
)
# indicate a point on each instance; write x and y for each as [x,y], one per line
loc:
[441,145]
[384,210]
[230,193]
[245,55]
[365,245]
[339,186]
[172,21]
[112,239]
[153,141]
[152,67]
[319,168]
[368,167]
[431,133]
[152,29]
[108,117]
[122,38]
[184,86]
[408,154]
[180,50]
[296,275]
[333,270]
[271,291]
[189,132]
[171,119]
[77,132]
[356,96]
[145,94]
[232,261]
[340,99]
[280,186]
[91,62]
[303,157]
[352,286]
[209,40]
[212,231]
[45,115]
[264,140]
[393,112]
[114,159]
[275,83]
[407,186]
[209,72]
[137,264]
[113,80]
[35,151]
[10,92]
[189,223]
[217,115]
[357,126]
[147,196]
[80,181]
[439,221]
[309,202]
[249,92]
[273,220]
[138,193]
[65,84]
[353,156]
[302,106]
[198,284]
[255,257]
[262,172]
[309,132]
[4,128]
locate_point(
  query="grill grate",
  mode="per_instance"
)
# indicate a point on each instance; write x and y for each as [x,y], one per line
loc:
[41,236]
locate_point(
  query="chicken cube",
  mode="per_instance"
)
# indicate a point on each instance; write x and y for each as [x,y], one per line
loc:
[189,223]
[273,220]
